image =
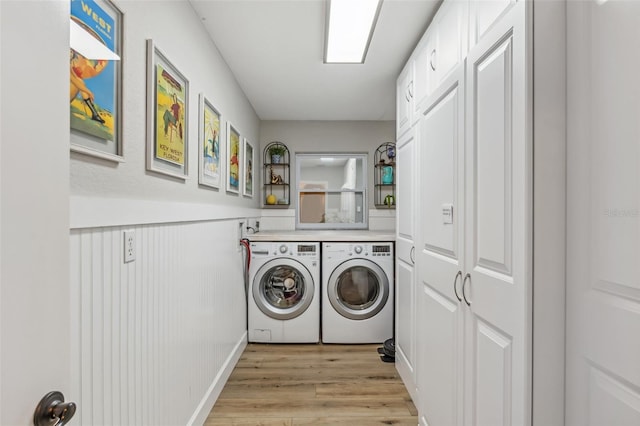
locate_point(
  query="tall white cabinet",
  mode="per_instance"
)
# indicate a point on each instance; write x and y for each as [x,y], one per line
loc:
[472,272]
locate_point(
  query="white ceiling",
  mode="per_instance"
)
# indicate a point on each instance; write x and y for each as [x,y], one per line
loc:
[275,49]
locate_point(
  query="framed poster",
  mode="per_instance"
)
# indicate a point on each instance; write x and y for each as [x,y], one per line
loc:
[233,159]
[247,188]
[95,96]
[167,116]
[209,144]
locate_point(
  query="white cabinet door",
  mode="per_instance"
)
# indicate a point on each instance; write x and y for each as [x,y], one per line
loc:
[405,250]
[423,73]
[483,14]
[404,99]
[474,237]
[450,44]
[440,256]
[406,174]
[497,228]
[603,214]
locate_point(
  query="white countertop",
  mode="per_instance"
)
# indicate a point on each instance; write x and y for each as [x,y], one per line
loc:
[324,235]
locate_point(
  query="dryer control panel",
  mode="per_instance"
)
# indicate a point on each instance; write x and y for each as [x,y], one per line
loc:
[381,250]
[345,250]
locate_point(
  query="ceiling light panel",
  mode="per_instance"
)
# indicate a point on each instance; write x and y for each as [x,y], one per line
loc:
[350,25]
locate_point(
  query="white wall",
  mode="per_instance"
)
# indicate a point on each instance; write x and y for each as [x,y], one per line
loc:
[549,130]
[328,136]
[177,31]
[154,340]
[34,199]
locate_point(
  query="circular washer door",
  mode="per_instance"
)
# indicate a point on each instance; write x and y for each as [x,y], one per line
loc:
[358,289]
[283,288]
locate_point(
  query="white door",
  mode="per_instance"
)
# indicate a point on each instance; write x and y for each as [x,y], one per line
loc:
[497,229]
[405,299]
[34,194]
[440,254]
[603,214]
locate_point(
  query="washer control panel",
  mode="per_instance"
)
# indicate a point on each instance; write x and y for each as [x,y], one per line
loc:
[288,249]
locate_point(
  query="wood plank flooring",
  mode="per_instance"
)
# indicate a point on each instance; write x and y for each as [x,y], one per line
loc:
[290,385]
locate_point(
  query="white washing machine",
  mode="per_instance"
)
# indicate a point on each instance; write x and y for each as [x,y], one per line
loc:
[357,292]
[284,298]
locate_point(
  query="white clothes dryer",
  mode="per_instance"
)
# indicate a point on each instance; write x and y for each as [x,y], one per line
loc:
[357,292]
[284,298]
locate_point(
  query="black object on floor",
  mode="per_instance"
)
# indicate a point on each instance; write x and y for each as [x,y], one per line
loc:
[388,351]
[385,358]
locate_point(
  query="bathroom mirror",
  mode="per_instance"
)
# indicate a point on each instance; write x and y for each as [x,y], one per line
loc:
[331,191]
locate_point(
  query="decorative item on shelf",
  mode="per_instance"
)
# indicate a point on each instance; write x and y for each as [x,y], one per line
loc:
[387,175]
[271,199]
[277,152]
[275,179]
[391,153]
[389,201]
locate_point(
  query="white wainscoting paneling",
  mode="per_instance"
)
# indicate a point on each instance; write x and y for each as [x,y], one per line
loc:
[155,339]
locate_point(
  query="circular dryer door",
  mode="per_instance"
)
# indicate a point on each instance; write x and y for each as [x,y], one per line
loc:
[283,288]
[358,289]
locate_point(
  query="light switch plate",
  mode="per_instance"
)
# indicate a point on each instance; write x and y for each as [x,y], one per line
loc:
[447,214]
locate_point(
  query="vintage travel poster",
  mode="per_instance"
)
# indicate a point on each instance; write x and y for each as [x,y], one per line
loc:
[248,169]
[233,166]
[211,145]
[93,86]
[170,116]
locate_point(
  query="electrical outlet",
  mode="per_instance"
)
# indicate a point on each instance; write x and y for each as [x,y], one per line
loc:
[129,246]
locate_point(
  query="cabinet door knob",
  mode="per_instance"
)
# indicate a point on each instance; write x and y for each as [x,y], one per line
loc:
[464,283]
[455,288]
[412,255]
[410,88]
[432,60]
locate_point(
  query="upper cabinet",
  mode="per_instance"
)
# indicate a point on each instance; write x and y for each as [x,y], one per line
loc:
[441,49]
[450,46]
[404,100]
[483,15]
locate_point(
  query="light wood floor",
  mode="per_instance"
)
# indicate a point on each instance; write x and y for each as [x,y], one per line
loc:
[313,385]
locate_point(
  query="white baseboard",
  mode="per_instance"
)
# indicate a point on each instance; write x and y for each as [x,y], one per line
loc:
[210,398]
